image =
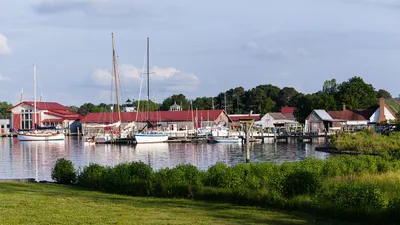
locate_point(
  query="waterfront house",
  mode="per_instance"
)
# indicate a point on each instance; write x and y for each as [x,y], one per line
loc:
[129,106]
[48,114]
[283,119]
[320,120]
[167,120]
[4,126]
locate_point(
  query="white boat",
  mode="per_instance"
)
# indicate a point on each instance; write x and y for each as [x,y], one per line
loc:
[33,136]
[234,139]
[149,137]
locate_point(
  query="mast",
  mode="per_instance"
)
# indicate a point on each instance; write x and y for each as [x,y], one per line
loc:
[34,95]
[116,78]
[148,79]
[225,98]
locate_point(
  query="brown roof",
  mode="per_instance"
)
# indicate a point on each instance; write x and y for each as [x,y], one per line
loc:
[352,114]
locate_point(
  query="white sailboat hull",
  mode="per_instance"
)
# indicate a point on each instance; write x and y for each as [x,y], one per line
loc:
[151,138]
[41,137]
[227,139]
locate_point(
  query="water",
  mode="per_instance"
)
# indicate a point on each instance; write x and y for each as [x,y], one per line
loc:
[35,159]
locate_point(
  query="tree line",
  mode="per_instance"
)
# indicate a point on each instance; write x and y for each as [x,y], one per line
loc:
[353,93]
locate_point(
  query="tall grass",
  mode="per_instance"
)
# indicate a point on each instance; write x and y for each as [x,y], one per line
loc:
[361,185]
[367,141]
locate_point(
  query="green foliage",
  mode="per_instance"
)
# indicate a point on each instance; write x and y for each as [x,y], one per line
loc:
[367,141]
[91,108]
[179,99]
[4,113]
[301,182]
[356,94]
[91,176]
[393,209]
[309,185]
[143,105]
[383,94]
[182,181]
[268,106]
[63,172]
[357,199]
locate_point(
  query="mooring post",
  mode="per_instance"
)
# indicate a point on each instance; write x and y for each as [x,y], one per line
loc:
[247,143]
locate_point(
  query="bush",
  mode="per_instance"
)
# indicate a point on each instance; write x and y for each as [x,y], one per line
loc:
[135,178]
[182,181]
[301,182]
[91,177]
[63,172]
[393,209]
[221,175]
[352,199]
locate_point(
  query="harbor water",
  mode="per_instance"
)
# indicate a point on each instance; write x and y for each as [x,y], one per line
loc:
[36,159]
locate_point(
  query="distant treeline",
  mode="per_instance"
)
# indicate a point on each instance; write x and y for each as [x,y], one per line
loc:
[354,93]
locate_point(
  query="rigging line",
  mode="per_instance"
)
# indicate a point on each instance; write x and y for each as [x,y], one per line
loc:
[141,84]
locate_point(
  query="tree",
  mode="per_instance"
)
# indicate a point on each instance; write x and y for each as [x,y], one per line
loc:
[202,103]
[86,108]
[356,94]
[304,106]
[325,101]
[383,94]
[73,109]
[4,113]
[268,106]
[142,106]
[330,87]
[179,99]
[287,97]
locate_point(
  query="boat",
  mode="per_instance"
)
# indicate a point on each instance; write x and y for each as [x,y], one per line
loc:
[39,133]
[110,133]
[233,139]
[149,136]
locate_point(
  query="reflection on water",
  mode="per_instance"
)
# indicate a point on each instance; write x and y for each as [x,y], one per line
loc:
[35,159]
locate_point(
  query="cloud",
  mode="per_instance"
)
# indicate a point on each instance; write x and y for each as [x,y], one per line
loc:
[3,78]
[169,79]
[4,48]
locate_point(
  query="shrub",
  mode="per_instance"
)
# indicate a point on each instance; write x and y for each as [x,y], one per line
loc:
[220,175]
[91,176]
[182,181]
[301,182]
[63,172]
[133,178]
[393,209]
[356,199]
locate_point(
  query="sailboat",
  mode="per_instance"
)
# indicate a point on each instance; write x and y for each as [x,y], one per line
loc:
[149,137]
[39,133]
[103,136]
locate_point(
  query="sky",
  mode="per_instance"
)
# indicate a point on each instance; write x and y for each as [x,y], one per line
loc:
[197,47]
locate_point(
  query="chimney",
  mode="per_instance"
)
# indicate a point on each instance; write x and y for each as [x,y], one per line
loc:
[382,116]
[344,107]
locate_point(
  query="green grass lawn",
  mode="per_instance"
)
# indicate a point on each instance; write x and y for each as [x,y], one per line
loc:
[57,204]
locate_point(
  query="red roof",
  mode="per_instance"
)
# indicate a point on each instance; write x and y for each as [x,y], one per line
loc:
[162,116]
[44,105]
[236,118]
[287,110]
[52,120]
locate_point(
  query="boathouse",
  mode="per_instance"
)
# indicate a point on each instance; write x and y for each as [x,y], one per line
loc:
[319,120]
[4,126]
[283,119]
[47,114]
[166,120]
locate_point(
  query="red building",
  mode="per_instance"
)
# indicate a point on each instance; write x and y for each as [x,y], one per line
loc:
[47,114]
